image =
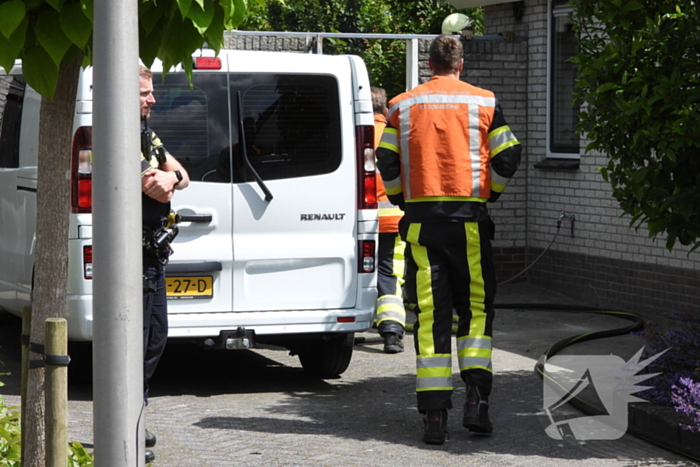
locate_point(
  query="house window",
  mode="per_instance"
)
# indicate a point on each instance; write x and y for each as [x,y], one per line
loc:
[562,114]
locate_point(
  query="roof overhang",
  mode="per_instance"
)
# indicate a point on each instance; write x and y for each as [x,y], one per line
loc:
[474,3]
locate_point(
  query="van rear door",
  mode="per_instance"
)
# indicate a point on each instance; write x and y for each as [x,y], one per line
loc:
[297,251]
[193,123]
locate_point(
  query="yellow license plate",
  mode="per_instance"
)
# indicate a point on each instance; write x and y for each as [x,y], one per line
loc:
[189,287]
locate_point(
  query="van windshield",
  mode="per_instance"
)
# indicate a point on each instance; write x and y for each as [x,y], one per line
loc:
[291,124]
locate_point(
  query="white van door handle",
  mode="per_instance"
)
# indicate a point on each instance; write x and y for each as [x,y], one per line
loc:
[200,218]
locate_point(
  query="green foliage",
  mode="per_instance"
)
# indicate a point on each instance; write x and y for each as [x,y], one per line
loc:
[45,33]
[639,70]
[11,440]
[385,58]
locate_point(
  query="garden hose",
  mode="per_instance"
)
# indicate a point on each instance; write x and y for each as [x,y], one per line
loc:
[637,324]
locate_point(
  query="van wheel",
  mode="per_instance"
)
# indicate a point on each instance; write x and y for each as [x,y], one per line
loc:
[80,367]
[328,358]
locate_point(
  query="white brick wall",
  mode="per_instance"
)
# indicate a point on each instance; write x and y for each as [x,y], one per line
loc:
[599,229]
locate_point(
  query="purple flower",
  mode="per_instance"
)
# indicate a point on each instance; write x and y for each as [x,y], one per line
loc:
[686,400]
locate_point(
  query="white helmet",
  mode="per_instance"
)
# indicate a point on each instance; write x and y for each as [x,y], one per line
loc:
[456,22]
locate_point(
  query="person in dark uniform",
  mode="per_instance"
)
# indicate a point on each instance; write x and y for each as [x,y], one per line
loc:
[161,175]
[390,312]
[445,153]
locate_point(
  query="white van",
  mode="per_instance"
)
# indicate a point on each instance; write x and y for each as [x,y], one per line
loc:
[296,270]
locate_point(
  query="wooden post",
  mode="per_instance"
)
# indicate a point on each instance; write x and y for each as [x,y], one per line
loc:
[26,331]
[56,387]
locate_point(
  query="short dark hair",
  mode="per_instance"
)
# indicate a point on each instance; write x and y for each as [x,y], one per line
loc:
[446,53]
[378,100]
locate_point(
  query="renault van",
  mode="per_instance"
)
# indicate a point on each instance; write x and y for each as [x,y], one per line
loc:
[293,267]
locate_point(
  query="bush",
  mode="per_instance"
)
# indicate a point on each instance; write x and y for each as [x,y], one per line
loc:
[686,399]
[10,434]
[11,440]
[679,367]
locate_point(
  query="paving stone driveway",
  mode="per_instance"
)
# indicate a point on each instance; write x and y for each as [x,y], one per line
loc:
[258,408]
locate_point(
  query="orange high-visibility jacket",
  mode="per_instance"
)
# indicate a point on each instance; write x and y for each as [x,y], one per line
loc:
[389,214]
[446,151]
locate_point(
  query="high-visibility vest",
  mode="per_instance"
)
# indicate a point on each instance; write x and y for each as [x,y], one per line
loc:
[449,158]
[389,215]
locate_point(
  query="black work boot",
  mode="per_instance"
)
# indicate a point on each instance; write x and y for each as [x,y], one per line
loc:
[476,412]
[392,343]
[435,426]
[150,439]
[150,456]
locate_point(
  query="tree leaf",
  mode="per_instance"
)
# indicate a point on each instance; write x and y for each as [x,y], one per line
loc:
[201,18]
[607,87]
[11,15]
[149,15]
[632,6]
[50,36]
[239,13]
[75,25]
[215,32]
[184,6]
[40,70]
[10,48]
[56,4]
[88,8]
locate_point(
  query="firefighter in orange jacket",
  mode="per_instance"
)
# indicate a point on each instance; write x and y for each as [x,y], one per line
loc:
[446,152]
[390,315]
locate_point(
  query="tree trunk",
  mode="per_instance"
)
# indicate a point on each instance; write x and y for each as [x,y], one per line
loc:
[51,255]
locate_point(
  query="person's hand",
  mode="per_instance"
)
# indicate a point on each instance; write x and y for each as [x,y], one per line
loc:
[158,185]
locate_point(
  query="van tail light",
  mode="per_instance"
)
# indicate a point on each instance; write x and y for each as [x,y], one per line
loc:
[87,262]
[81,171]
[367,253]
[207,63]
[366,167]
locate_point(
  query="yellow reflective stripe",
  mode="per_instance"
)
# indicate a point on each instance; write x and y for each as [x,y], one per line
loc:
[433,384]
[473,353]
[390,139]
[481,342]
[497,187]
[399,263]
[477,292]
[498,132]
[424,290]
[393,190]
[390,212]
[446,198]
[434,372]
[504,146]
[476,365]
[389,146]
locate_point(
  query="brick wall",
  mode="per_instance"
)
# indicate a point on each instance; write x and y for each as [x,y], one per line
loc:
[606,262]
[269,43]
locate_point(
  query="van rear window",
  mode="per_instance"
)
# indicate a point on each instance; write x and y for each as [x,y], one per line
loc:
[11,100]
[291,124]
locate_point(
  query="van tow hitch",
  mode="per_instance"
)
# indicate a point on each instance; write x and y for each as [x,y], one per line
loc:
[238,339]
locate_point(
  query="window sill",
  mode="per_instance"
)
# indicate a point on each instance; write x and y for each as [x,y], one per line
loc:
[558,164]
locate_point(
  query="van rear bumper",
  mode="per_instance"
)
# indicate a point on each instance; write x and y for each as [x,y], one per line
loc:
[196,325]
[268,322]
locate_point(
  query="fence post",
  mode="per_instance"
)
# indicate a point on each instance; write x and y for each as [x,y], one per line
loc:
[26,331]
[412,63]
[56,387]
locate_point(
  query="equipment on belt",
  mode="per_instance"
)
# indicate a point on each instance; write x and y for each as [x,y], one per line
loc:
[156,243]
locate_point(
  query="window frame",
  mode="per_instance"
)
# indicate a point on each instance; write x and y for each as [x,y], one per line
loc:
[555,9]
